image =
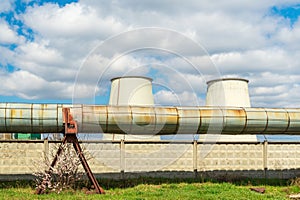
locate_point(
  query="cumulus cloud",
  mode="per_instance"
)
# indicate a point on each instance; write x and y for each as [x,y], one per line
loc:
[67,46]
[168,98]
[274,90]
[6,56]
[7,34]
[261,60]
[29,86]
[6,5]
[71,21]
[288,37]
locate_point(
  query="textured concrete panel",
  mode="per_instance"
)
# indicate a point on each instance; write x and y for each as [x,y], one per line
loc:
[137,157]
[158,157]
[105,157]
[230,157]
[283,156]
[19,158]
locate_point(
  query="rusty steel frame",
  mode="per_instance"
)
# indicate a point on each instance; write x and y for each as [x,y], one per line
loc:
[70,131]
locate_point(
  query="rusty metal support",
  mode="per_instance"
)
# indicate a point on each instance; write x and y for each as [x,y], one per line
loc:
[70,129]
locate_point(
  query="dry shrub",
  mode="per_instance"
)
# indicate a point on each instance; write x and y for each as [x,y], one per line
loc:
[295,181]
[63,175]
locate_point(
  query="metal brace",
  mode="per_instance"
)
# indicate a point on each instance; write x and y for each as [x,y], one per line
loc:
[70,131]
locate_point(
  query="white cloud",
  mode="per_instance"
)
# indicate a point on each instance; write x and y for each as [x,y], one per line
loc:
[270,90]
[260,60]
[219,25]
[167,98]
[23,84]
[274,90]
[39,53]
[6,5]
[243,38]
[29,86]
[272,79]
[289,38]
[44,61]
[8,35]
[6,56]
[71,21]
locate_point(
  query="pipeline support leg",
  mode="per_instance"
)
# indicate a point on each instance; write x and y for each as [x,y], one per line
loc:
[85,165]
[70,137]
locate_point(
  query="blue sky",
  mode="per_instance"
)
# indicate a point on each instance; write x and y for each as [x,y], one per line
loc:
[44,44]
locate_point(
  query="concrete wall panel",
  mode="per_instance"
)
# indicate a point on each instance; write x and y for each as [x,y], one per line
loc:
[161,157]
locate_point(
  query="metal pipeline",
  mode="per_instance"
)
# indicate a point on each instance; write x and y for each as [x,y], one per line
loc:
[47,118]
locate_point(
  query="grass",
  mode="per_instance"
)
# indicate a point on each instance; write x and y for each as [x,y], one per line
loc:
[147,188]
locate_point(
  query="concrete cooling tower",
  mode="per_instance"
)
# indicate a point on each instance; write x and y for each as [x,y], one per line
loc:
[228,92]
[131,91]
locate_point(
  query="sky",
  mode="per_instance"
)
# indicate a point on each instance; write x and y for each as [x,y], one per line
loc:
[67,51]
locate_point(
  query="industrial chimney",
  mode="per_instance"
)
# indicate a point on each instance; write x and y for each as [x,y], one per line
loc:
[228,92]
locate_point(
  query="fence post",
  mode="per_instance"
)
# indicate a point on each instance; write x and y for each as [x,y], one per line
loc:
[46,148]
[265,158]
[195,143]
[122,158]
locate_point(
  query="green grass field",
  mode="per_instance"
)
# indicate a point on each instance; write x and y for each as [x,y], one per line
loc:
[134,189]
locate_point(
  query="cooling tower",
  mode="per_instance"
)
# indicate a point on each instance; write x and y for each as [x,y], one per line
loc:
[131,90]
[228,92]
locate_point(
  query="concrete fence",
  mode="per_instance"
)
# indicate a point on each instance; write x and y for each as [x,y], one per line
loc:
[125,159]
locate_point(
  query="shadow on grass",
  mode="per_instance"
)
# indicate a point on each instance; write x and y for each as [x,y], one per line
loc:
[109,183]
[132,182]
[17,184]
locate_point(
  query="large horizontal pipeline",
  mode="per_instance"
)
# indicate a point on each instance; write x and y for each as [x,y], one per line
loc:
[47,118]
